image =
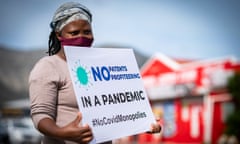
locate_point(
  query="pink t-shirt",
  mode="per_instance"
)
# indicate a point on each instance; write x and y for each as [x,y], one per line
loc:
[52,95]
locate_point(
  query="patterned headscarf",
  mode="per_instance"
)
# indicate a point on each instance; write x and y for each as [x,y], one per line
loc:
[69,12]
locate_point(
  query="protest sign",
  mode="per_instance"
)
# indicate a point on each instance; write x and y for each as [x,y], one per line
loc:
[109,91]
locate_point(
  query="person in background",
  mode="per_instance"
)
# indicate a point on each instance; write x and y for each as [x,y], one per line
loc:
[53,105]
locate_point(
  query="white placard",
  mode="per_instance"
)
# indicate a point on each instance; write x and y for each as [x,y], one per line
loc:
[109,91]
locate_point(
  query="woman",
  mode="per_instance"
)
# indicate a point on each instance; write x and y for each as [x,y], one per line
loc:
[54,108]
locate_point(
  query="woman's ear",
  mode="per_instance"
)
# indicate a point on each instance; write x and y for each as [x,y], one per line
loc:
[58,34]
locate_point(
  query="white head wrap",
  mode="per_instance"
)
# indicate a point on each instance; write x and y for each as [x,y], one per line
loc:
[69,12]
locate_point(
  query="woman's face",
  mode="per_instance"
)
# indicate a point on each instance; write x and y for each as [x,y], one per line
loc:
[78,28]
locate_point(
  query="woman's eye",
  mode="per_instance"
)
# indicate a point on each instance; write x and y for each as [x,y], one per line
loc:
[87,32]
[74,33]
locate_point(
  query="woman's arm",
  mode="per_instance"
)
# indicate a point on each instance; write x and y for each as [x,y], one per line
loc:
[72,131]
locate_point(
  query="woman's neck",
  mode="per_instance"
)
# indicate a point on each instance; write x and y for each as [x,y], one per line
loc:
[61,54]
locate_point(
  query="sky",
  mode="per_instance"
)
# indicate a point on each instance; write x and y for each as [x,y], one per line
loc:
[191,29]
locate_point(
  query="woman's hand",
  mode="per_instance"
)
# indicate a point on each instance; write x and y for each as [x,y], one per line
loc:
[76,133]
[155,128]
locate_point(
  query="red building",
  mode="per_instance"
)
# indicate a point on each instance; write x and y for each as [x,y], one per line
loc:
[189,97]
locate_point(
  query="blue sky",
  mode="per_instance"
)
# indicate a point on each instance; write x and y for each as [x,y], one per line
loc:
[194,29]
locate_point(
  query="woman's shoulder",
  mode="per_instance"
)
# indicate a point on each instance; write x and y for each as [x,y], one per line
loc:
[46,65]
[47,61]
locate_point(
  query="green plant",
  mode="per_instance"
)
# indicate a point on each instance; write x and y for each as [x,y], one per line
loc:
[233,120]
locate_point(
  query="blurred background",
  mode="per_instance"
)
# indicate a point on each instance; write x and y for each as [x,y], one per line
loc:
[169,38]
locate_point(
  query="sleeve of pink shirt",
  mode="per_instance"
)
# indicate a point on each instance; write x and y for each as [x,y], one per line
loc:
[43,86]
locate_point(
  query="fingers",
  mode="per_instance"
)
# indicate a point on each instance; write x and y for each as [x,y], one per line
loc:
[85,128]
[86,140]
[77,119]
[155,128]
[75,132]
[85,134]
[79,134]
